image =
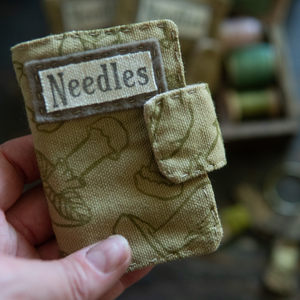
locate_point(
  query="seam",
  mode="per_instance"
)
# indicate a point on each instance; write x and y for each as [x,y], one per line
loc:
[173,256]
[158,260]
[114,31]
[194,174]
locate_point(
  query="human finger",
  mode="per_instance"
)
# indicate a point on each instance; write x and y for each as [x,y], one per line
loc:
[30,216]
[12,242]
[49,250]
[85,275]
[18,165]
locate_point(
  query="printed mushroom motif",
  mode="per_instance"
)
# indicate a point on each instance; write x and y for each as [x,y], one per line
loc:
[154,234]
[60,182]
[149,181]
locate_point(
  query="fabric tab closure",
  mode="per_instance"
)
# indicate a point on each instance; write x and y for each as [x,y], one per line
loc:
[185,133]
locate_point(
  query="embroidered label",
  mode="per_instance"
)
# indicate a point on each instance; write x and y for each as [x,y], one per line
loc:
[98,81]
[102,80]
[193,19]
[88,14]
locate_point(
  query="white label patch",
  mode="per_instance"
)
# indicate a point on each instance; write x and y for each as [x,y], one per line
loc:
[192,19]
[97,81]
[87,14]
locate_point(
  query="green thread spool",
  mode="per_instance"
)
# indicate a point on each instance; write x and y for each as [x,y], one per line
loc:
[235,219]
[252,67]
[253,7]
[252,104]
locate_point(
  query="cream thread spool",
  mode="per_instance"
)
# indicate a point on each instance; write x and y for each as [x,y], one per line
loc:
[281,274]
[240,32]
[252,104]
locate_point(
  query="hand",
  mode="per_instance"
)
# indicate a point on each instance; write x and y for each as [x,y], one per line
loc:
[30,267]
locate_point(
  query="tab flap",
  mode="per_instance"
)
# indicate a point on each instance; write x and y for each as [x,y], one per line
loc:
[184,132]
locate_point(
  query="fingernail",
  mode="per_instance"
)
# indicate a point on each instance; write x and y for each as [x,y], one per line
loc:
[109,254]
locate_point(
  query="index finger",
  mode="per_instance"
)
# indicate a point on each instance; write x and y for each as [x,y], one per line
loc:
[18,166]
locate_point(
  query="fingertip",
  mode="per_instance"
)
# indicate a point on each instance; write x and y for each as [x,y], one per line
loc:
[110,255]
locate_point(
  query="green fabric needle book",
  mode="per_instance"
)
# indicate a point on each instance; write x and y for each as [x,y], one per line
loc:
[123,145]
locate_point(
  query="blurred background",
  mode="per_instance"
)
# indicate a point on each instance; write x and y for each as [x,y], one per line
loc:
[248,52]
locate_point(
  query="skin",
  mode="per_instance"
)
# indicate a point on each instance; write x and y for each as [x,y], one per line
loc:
[30,267]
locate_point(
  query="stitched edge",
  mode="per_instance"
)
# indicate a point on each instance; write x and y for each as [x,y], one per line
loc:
[185,177]
[33,67]
[216,230]
[125,29]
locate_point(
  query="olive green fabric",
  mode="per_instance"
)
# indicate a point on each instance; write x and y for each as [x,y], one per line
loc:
[99,172]
[184,131]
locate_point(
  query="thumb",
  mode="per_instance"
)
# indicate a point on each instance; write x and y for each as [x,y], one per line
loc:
[85,275]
